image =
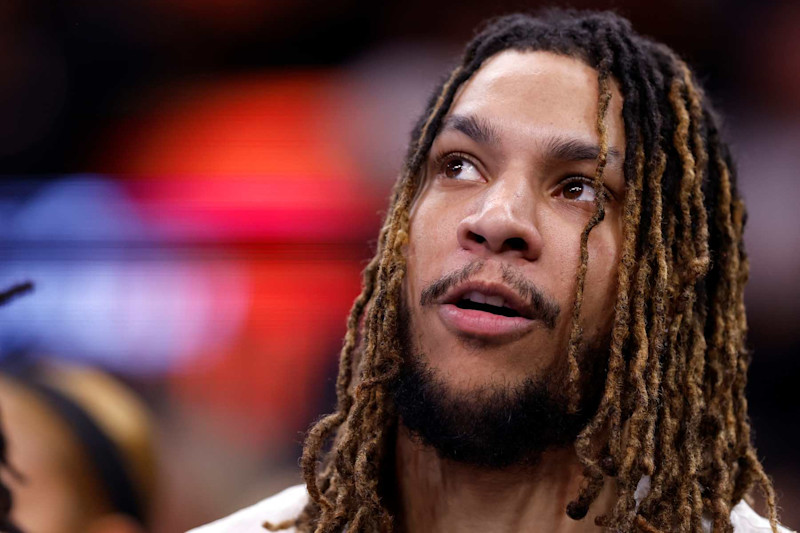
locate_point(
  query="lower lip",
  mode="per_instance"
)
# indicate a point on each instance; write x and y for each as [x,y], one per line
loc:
[475,323]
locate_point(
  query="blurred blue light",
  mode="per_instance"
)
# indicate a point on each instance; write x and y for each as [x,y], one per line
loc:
[136,309]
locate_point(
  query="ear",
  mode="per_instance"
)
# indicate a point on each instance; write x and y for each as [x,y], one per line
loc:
[115,523]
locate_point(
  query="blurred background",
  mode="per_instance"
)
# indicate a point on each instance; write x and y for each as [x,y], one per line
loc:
[195,185]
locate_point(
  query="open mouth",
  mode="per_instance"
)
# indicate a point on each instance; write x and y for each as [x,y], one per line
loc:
[485,310]
[488,304]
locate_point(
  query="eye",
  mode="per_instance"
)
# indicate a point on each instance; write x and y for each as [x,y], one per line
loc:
[457,167]
[579,190]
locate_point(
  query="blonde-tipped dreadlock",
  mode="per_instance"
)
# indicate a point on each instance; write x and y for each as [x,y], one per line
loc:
[677,363]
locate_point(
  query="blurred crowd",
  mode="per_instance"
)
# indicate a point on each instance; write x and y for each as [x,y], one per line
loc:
[194,187]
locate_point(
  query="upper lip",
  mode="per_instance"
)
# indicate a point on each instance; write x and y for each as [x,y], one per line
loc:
[512,299]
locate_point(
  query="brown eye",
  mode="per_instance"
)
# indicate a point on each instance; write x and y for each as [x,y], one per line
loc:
[579,191]
[453,168]
[573,191]
[461,169]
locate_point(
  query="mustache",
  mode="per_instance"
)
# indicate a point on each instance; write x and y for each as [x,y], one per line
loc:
[541,306]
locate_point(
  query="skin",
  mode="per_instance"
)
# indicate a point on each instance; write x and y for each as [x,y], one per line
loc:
[511,202]
[57,475]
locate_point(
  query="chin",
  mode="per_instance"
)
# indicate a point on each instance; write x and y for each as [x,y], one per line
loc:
[491,406]
[466,364]
[485,422]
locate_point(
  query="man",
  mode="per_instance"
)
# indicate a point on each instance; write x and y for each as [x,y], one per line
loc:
[551,334]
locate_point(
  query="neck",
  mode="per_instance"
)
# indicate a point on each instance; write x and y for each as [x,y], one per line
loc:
[438,495]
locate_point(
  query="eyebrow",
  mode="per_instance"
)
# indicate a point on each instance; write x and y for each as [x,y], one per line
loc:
[478,129]
[561,148]
[569,149]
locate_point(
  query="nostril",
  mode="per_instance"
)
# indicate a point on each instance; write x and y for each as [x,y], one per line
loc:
[516,243]
[475,237]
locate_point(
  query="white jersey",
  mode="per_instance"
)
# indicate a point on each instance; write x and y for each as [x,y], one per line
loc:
[288,504]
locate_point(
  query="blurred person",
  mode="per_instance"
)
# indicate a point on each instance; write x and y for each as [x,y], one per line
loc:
[6,498]
[551,335]
[80,450]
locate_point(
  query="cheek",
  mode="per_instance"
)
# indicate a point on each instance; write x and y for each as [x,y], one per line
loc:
[417,255]
[432,239]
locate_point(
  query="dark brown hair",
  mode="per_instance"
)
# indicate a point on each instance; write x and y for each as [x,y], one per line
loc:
[677,365]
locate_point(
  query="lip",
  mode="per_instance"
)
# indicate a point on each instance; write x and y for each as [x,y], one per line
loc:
[512,299]
[481,324]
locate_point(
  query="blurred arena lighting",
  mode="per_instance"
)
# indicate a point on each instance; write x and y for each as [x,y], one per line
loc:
[222,249]
[107,289]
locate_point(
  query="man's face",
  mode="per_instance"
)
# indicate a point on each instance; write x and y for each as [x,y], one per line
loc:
[495,231]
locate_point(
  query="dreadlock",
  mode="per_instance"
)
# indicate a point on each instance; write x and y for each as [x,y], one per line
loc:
[673,407]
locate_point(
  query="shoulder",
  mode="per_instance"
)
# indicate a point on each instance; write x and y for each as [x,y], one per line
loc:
[282,506]
[745,520]
[290,502]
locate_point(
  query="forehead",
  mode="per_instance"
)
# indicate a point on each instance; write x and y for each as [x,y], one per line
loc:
[540,95]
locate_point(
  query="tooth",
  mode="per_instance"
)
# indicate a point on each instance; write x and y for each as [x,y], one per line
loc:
[496,301]
[476,297]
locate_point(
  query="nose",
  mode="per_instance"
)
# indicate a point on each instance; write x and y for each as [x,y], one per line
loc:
[504,222]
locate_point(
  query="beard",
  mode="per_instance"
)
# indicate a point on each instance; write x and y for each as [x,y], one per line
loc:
[496,426]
